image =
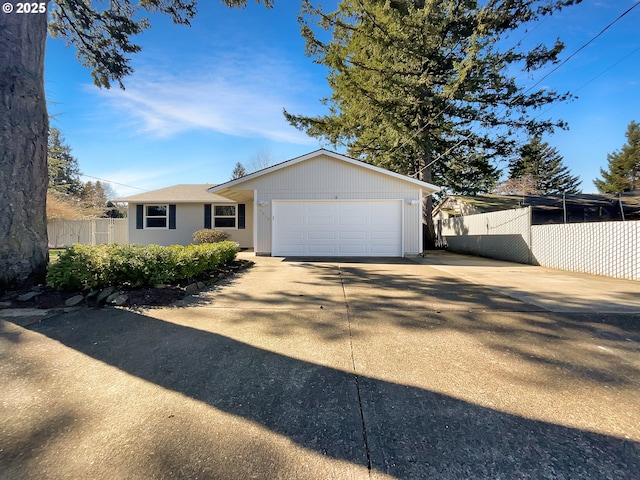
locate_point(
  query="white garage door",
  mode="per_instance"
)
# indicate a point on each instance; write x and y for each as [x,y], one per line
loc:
[337,228]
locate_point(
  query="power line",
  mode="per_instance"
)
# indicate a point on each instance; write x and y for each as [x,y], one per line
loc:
[593,78]
[582,47]
[115,183]
[538,83]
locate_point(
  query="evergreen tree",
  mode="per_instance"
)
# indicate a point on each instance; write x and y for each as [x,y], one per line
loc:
[238,171]
[102,34]
[64,173]
[469,174]
[623,174]
[415,83]
[93,199]
[544,166]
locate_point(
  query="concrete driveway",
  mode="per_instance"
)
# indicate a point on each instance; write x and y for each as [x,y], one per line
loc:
[451,367]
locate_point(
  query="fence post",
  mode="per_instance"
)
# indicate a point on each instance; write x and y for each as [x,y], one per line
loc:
[529,228]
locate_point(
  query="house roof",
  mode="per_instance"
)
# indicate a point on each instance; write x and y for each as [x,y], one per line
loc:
[430,188]
[183,193]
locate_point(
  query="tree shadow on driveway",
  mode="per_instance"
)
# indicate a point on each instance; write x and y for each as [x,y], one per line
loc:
[408,432]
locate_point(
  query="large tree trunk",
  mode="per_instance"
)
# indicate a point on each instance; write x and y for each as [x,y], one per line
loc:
[428,228]
[23,149]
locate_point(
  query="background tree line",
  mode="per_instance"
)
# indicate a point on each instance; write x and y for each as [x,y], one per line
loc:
[68,197]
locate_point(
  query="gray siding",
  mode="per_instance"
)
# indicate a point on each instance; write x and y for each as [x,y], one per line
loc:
[189,218]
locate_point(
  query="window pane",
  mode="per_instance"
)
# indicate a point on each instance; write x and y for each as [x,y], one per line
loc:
[225,222]
[156,210]
[156,222]
[225,211]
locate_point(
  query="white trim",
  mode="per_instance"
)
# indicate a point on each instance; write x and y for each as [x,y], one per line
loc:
[420,227]
[214,216]
[144,216]
[255,220]
[317,153]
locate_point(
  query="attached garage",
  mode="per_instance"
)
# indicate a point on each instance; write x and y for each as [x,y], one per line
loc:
[354,228]
[326,204]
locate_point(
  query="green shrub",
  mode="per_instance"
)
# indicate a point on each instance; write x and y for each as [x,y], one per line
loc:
[207,235]
[84,267]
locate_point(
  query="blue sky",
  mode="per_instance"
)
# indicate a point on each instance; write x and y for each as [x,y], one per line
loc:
[207,96]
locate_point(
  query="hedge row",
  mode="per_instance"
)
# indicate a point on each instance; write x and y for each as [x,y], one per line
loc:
[83,267]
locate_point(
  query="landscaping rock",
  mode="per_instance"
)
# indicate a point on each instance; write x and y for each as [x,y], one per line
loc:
[111,298]
[201,285]
[73,301]
[191,288]
[104,294]
[27,296]
[121,299]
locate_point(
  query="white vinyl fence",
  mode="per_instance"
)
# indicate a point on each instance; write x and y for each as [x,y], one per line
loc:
[600,248]
[93,231]
[504,235]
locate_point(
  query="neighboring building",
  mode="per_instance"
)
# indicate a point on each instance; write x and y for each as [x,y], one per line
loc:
[319,204]
[547,209]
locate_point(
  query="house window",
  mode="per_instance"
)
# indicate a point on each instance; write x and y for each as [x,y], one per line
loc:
[156,216]
[224,216]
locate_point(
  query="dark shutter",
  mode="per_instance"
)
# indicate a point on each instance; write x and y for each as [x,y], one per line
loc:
[172,217]
[207,215]
[139,217]
[241,215]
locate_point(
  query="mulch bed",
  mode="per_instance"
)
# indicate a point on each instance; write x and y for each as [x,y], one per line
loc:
[47,297]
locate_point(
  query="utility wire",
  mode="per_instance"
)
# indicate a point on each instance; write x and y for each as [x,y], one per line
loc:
[592,79]
[538,82]
[582,47]
[115,183]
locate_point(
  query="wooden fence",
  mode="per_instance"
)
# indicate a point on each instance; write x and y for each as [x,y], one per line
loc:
[93,231]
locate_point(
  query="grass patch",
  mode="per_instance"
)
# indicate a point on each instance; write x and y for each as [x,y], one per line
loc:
[54,253]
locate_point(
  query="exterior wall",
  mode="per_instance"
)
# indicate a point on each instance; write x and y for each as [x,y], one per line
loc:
[453,207]
[504,235]
[324,178]
[189,218]
[606,248]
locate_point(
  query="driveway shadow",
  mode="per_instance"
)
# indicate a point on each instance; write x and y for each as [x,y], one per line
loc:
[408,432]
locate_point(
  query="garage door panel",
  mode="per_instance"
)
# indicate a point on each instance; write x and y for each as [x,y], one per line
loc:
[353,235]
[352,221]
[320,250]
[352,250]
[392,236]
[320,235]
[324,221]
[341,228]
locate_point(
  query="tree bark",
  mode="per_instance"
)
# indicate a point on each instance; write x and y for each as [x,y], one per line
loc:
[24,126]
[428,230]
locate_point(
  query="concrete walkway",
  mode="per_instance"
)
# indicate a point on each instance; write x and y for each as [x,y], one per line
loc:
[450,367]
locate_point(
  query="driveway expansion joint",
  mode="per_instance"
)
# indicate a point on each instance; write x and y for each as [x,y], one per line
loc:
[355,373]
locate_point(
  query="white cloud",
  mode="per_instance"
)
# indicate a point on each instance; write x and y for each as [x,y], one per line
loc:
[240,96]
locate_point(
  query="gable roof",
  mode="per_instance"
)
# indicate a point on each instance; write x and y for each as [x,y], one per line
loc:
[430,188]
[183,193]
